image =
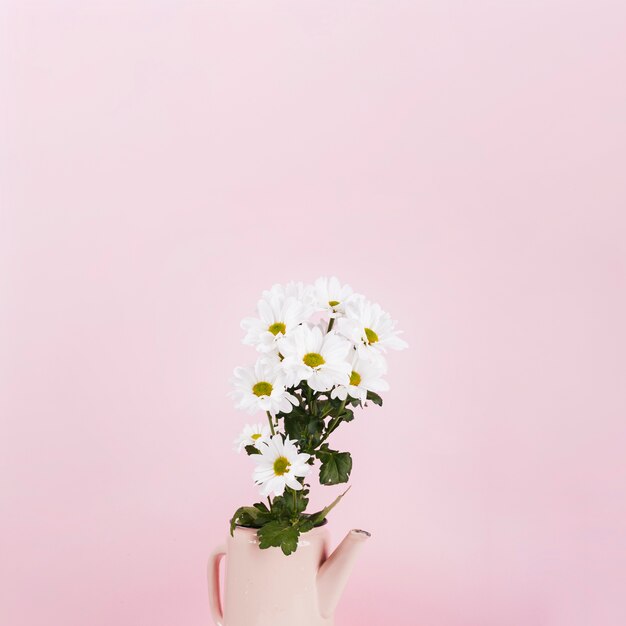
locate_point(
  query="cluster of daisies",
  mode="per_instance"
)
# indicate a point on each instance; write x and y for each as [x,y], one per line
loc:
[321,349]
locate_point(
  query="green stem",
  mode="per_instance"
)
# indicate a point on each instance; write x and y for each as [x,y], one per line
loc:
[335,422]
[269,417]
[331,427]
[310,399]
[331,323]
[301,399]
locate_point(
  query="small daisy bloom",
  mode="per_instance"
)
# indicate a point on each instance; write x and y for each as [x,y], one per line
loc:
[305,294]
[331,295]
[277,316]
[366,376]
[280,465]
[272,360]
[318,358]
[262,388]
[369,328]
[252,435]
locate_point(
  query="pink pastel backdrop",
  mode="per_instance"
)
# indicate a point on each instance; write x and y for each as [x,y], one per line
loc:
[460,162]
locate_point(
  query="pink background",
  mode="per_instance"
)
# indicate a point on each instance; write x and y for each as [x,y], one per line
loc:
[460,162]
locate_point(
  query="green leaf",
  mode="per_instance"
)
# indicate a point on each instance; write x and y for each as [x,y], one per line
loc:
[279,534]
[347,415]
[280,508]
[335,466]
[320,516]
[233,521]
[296,423]
[300,504]
[327,408]
[252,450]
[250,516]
[305,525]
[375,398]
[244,516]
[314,430]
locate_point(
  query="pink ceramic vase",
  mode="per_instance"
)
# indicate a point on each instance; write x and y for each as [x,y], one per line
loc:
[267,588]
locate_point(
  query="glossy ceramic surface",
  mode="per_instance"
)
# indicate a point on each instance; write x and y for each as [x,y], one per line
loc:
[267,588]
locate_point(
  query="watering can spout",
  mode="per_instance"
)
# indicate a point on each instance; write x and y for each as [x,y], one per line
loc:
[335,571]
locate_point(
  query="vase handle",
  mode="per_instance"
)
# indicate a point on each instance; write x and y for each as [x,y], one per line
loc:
[213,574]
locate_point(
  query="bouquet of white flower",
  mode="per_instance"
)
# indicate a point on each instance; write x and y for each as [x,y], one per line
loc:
[321,355]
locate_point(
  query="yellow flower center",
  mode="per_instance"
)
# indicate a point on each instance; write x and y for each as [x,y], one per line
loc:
[281,466]
[262,389]
[372,337]
[333,303]
[355,378]
[255,436]
[313,359]
[277,327]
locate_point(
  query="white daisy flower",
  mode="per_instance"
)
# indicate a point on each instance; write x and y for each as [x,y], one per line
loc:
[280,465]
[366,376]
[331,296]
[305,294]
[252,435]
[272,360]
[319,359]
[369,328]
[262,387]
[278,315]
